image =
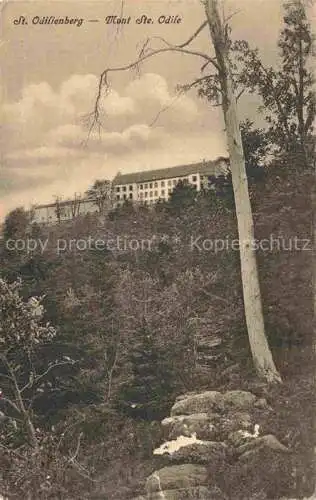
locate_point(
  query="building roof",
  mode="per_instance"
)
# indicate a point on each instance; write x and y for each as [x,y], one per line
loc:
[204,168]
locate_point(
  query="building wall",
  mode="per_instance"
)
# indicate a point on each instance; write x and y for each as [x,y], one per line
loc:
[48,213]
[150,192]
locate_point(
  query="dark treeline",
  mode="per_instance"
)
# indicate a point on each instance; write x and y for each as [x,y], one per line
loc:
[128,324]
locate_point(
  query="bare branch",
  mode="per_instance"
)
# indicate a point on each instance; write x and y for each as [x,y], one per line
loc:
[2,375]
[214,296]
[204,66]
[10,403]
[189,86]
[184,44]
[233,14]
[165,108]
[71,459]
[145,53]
[195,34]
[78,467]
[83,418]
[240,94]
[39,377]
[11,450]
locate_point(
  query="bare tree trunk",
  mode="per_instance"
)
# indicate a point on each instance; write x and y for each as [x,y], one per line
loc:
[30,430]
[261,353]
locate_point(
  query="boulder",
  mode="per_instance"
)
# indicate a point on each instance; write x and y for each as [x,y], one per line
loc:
[262,404]
[233,422]
[210,452]
[202,424]
[177,477]
[248,450]
[186,395]
[239,400]
[237,439]
[205,402]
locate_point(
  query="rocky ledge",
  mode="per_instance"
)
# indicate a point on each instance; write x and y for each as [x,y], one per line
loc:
[207,431]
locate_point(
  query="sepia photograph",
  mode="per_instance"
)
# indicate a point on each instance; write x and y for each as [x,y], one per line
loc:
[157,250]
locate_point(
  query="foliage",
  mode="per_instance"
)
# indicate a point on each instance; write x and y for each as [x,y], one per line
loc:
[23,335]
[256,150]
[188,297]
[15,223]
[149,391]
[183,196]
[287,94]
[256,147]
[20,326]
[101,193]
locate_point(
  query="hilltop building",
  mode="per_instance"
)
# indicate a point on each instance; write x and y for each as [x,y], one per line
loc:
[150,186]
[146,187]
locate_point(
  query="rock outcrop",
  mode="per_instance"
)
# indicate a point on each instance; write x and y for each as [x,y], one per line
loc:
[204,433]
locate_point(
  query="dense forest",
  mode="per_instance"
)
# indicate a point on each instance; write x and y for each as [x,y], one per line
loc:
[97,344]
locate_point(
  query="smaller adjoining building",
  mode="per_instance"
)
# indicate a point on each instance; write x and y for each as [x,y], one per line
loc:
[63,210]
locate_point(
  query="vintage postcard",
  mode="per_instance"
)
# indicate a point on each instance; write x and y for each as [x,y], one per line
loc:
[157,250]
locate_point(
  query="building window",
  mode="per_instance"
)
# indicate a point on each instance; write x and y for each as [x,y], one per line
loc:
[118,189]
[156,184]
[124,196]
[130,196]
[194,178]
[146,186]
[174,182]
[140,186]
[150,185]
[169,183]
[151,194]
[162,192]
[124,188]
[162,183]
[169,191]
[146,194]
[131,188]
[156,193]
[117,196]
[141,195]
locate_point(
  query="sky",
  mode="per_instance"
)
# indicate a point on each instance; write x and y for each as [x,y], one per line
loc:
[49,83]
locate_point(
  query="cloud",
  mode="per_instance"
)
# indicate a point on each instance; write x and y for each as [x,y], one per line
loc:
[151,90]
[71,135]
[47,147]
[74,139]
[132,138]
[115,105]
[43,114]
[43,153]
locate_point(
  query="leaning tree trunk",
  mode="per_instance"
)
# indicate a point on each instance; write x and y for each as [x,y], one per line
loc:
[261,353]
